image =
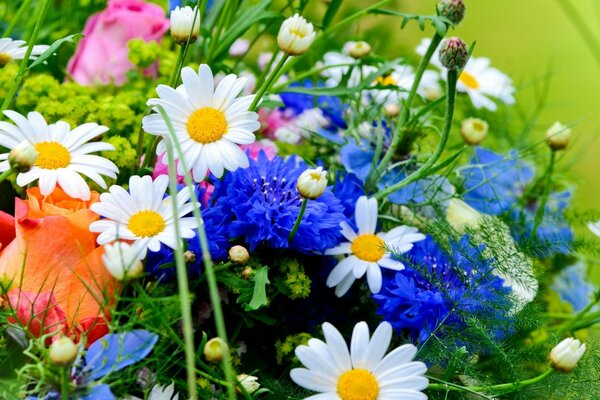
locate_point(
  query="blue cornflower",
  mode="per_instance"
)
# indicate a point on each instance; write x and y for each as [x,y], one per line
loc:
[331,106]
[572,286]
[111,353]
[348,188]
[437,291]
[260,205]
[494,183]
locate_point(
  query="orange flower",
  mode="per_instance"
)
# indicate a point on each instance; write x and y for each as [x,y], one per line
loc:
[54,252]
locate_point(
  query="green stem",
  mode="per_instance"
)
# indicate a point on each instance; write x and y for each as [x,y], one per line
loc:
[6,174]
[206,257]
[274,74]
[546,182]
[404,114]
[424,170]
[567,326]
[64,382]
[503,388]
[298,220]
[299,77]
[182,282]
[13,22]
[23,67]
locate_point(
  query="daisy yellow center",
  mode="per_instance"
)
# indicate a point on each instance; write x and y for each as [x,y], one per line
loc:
[358,384]
[207,125]
[146,223]
[52,155]
[368,247]
[297,32]
[4,59]
[468,80]
[386,80]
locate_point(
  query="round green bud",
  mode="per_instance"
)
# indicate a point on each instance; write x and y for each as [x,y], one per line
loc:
[454,10]
[454,54]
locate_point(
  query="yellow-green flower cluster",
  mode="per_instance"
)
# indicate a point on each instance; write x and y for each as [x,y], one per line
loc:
[285,349]
[143,54]
[297,282]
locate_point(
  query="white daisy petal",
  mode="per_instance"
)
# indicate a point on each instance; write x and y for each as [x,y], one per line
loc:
[374,278]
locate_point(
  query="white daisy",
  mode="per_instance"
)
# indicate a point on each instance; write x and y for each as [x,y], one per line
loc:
[402,78]
[368,252]
[210,123]
[64,154]
[15,50]
[143,215]
[480,81]
[363,373]
[336,71]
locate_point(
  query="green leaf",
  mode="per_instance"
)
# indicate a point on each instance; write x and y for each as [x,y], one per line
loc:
[259,295]
[332,9]
[440,23]
[54,47]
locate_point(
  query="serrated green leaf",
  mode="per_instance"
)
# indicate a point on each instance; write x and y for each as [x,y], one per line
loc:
[259,295]
[54,47]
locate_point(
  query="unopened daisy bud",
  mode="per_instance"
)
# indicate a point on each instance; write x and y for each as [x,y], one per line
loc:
[63,351]
[359,49]
[22,157]
[454,10]
[215,349]
[558,136]
[239,255]
[474,130]
[249,382]
[312,183]
[454,53]
[185,24]
[565,355]
[295,36]
[122,261]
[189,257]
[461,216]
[392,110]
[247,273]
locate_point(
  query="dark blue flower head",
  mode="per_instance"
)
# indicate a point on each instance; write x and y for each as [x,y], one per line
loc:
[494,183]
[331,106]
[262,203]
[437,291]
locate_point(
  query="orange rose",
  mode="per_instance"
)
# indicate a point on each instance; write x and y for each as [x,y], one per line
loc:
[54,252]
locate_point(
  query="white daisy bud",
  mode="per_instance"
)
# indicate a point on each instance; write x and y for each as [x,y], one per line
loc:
[392,110]
[22,157]
[122,261]
[474,130]
[558,136]
[239,255]
[460,215]
[565,355]
[215,349]
[312,183]
[359,49]
[295,35]
[249,382]
[63,351]
[183,24]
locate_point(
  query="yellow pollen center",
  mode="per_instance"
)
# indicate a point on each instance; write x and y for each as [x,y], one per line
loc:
[387,81]
[4,59]
[368,247]
[297,32]
[358,384]
[468,80]
[207,125]
[146,223]
[52,155]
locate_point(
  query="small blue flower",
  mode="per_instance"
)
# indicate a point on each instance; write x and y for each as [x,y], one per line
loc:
[437,291]
[358,158]
[494,183]
[572,286]
[331,106]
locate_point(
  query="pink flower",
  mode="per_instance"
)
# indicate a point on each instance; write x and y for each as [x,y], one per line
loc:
[266,145]
[102,57]
[272,120]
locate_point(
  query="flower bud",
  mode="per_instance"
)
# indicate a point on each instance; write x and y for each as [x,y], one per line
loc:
[565,355]
[185,23]
[454,10]
[359,49]
[249,382]
[239,255]
[189,257]
[295,35]
[312,183]
[474,130]
[215,349]
[63,351]
[22,157]
[558,136]
[454,53]
[392,110]
[122,261]
[247,273]
[461,216]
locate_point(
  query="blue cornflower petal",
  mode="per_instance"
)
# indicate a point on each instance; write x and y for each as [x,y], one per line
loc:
[331,106]
[358,158]
[100,392]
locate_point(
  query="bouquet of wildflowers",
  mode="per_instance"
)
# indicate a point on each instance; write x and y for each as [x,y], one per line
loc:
[225,199]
